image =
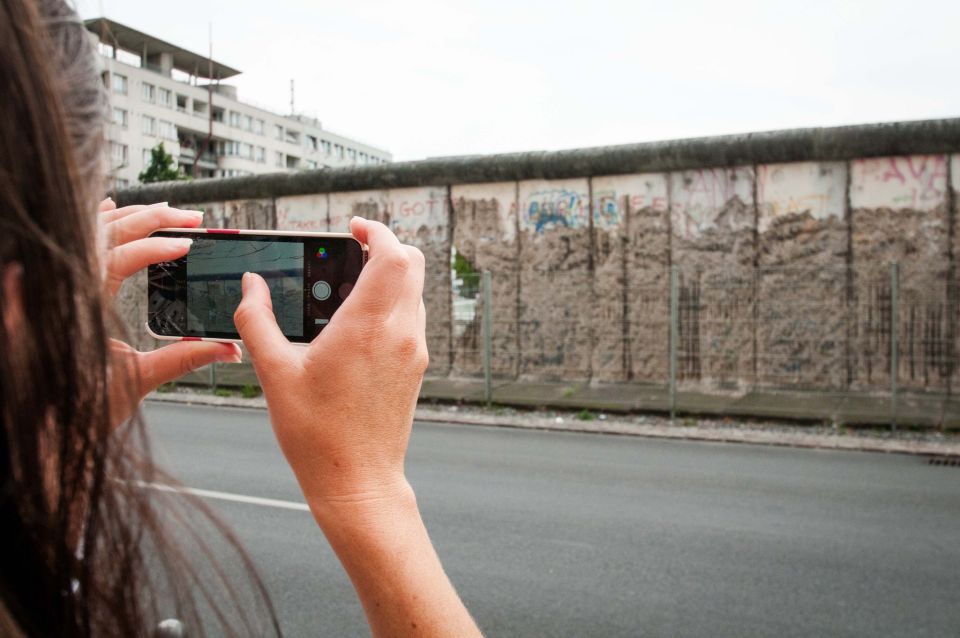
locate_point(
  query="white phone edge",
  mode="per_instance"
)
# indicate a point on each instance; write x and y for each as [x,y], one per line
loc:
[153,334]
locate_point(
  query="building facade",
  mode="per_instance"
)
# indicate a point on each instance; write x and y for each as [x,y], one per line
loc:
[163,93]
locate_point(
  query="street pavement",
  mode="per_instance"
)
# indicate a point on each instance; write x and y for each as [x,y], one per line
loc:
[563,534]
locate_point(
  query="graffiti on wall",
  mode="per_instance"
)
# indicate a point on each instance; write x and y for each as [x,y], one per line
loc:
[917,182]
[710,198]
[550,208]
[614,195]
[502,197]
[815,188]
[307,213]
[418,213]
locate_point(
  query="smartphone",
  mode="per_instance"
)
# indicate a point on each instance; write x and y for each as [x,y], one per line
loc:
[309,276]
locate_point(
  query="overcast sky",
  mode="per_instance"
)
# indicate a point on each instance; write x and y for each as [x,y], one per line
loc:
[446,77]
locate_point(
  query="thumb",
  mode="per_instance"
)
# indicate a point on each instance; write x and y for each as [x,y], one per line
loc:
[256,324]
[172,362]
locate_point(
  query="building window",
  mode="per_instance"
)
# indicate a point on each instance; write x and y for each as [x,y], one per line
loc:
[278,132]
[363,158]
[182,103]
[234,119]
[164,97]
[312,142]
[247,123]
[293,137]
[119,84]
[121,183]
[120,117]
[149,125]
[326,146]
[119,153]
[148,92]
[338,150]
[261,155]
[311,164]
[246,151]
[168,131]
[278,159]
[147,156]
[353,155]
[258,127]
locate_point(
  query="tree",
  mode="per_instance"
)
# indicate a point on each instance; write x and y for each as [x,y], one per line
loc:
[162,167]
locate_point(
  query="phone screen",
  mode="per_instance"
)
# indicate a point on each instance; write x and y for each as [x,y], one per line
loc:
[214,270]
[196,296]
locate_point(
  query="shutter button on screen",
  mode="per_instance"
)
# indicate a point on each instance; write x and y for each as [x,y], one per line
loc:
[321,291]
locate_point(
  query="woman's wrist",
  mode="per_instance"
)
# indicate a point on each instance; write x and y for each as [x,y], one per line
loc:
[365,511]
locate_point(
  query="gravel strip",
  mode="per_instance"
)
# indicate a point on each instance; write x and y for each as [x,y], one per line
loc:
[923,442]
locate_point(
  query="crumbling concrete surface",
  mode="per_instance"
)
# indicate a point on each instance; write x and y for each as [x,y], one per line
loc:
[631,228]
[713,245]
[252,214]
[485,235]
[556,298]
[420,217]
[899,214]
[802,275]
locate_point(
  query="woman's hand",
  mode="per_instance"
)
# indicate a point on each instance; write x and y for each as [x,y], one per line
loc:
[342,407]
[124,232]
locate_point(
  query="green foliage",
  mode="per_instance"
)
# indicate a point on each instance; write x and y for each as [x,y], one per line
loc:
[224,392]
[468,274]
[250,391]
[585,415]
[162,168]
[167,387]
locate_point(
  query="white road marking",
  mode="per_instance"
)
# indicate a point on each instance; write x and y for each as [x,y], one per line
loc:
[227,496]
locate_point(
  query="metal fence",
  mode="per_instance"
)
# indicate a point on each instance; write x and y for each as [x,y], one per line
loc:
[876,343]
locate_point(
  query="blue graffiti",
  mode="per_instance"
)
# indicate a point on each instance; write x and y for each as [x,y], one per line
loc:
[556,207]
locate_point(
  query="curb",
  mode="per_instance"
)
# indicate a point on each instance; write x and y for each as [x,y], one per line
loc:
[845,442]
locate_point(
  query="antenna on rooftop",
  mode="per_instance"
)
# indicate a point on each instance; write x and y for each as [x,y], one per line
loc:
[292,111]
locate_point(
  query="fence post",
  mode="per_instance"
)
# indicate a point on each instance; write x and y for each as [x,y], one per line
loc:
[487,337]
[894,339]
[674,336]
[213,376]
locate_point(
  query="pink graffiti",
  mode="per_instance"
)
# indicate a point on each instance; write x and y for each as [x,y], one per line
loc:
[923,177]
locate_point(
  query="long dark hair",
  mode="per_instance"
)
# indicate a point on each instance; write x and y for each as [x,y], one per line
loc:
[84,549]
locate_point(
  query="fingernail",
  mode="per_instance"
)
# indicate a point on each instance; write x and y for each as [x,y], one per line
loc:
[180,243]
[196,214]
[363,219]
[245,282]
[230,357]
[108,199]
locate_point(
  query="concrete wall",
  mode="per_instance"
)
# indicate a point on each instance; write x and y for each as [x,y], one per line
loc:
[784,265]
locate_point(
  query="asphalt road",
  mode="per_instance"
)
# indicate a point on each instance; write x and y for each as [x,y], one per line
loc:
[559,534]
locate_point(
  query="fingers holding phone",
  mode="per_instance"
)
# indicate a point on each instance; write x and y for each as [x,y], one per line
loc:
[342,408]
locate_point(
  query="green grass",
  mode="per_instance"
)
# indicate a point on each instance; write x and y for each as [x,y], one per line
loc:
[586,415]
[168,387]
[224,392]
[250,391]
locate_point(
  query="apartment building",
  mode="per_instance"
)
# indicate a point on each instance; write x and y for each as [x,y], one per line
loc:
[163,93]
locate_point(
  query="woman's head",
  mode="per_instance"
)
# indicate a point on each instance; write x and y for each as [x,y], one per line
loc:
[78,536]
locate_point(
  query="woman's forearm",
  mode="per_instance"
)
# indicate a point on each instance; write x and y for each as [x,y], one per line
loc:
[385,549]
